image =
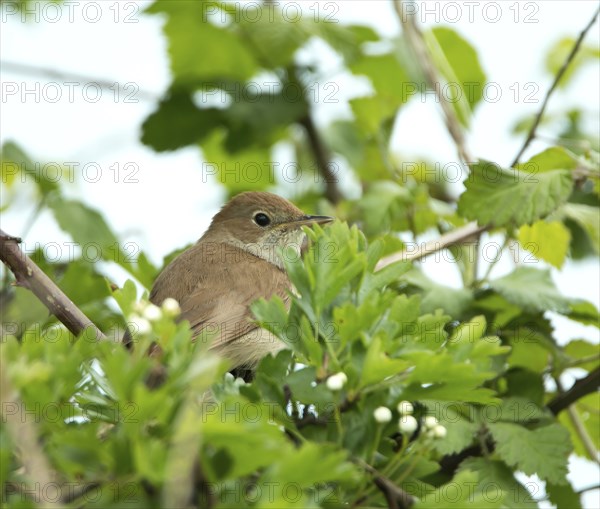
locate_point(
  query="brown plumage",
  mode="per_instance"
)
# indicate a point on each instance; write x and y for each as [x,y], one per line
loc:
[235,263]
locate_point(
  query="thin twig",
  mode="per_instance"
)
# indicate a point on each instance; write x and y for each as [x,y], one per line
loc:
[322,159]
[589,488]
[416,42]
[471,230]
[557,78]
[587,442]
[29,275]
[80,79]
[395,496]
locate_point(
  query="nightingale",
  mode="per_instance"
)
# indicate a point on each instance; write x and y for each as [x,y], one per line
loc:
[237,261]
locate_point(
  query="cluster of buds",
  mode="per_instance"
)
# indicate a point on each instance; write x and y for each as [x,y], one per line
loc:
[407,422]
[145,313]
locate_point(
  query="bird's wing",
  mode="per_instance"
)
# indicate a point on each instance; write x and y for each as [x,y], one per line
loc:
[214,287]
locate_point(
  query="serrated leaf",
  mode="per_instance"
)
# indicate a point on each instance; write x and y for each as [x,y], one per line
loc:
[546,241]
[378,365]
[532,289]
[543,451]
[502,197]
[494,473]
[461,493]
[200,51]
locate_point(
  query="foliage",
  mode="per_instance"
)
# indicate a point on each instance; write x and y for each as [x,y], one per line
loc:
[114,428]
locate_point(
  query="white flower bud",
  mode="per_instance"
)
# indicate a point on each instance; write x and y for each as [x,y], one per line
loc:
[152,313]
[337,381]
[229,377]
[439,431]
[138,307]
[407,424]
[430,422]
[171,307]
[139,325]
[405,408]
[382,414]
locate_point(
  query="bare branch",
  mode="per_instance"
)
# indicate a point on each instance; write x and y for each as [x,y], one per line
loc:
[29,275]
[582,387]
[557,78]
[395,496]
[458,236]
[70,77]
[322,159]
[416,42]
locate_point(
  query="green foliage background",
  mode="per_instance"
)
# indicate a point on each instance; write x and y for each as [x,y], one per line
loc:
[478,358]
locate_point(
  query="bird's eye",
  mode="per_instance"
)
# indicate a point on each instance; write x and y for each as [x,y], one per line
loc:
[262,219]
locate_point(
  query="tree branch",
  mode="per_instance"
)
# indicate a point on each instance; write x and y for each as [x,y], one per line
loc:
[584,436]
[395,496]
[322,159]
[416,42]
[29,275]
[582,387]
[448,239]
[557,78]
[79,79]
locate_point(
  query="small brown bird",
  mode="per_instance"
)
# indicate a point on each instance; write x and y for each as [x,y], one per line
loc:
[236,262]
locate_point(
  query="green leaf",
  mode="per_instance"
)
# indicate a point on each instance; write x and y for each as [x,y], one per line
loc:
[382,278]
[378,365]
[580,349]
[388,77]
[525,383]
[531,289]
[454,301]
[272,36]
[461,431]
[178,122]
[200,51]
[310,464]
[461,493]
[584,312]
[89,230]
[546,241]
[553,158]
[543,451]
[15,163]
[563,496]
[459,64]
[250,169]
[558,53]
[437,376]
[493,473]
[501,197]
[588,217]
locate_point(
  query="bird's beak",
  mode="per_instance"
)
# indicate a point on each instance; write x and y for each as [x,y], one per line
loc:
[308,220]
